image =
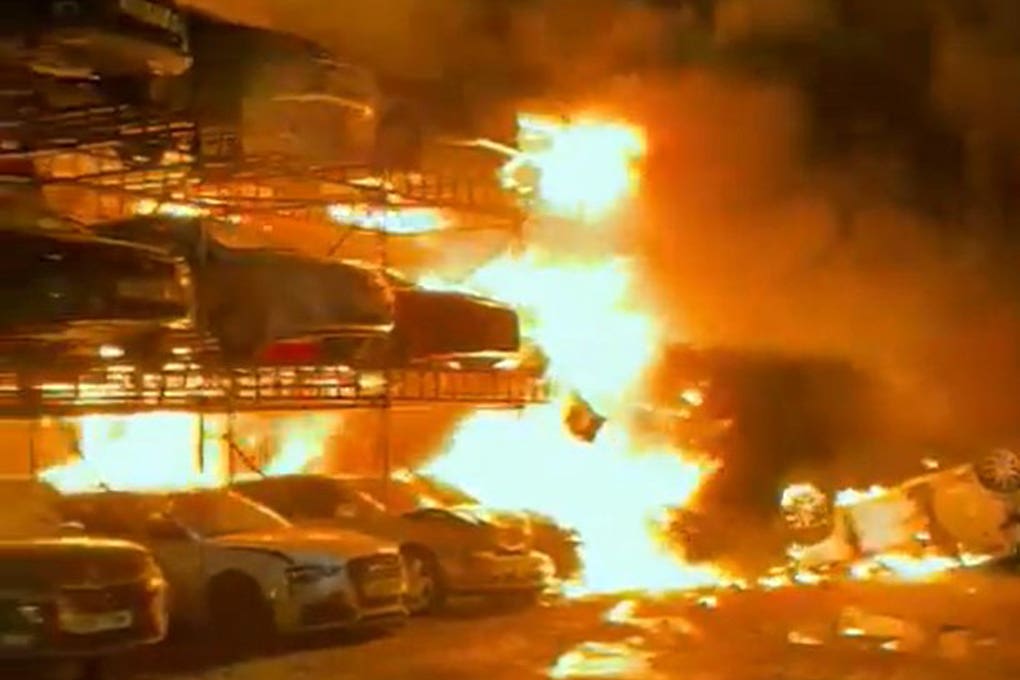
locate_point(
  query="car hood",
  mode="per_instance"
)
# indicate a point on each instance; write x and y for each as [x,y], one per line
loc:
[47,564]
[306,544]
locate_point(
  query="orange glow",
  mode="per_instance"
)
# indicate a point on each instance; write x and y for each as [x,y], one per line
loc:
[395,220]
[152,451]
[853,496]
[148,206]
[586,167]
[599,337]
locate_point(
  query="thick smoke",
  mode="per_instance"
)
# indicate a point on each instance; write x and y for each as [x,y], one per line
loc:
[828,178]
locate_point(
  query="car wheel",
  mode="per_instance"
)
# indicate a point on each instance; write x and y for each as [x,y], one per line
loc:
[425,592]
[239,614]
[999,471]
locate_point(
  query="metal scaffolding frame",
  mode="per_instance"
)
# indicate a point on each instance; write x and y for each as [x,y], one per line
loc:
[110,152]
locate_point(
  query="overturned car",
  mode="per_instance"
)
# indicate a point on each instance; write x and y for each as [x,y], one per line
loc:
[970,513]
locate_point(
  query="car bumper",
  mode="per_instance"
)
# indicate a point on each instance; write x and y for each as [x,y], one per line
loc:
[340,602]
[143,624]
[492,573]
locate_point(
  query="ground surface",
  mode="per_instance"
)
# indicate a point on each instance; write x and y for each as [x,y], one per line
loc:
[965,629]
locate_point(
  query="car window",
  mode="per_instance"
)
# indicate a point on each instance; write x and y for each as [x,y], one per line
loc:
[220,513]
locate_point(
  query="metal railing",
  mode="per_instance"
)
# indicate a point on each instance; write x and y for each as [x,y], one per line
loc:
[196,388]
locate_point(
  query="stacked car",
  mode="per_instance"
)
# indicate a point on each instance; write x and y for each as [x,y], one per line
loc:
[122,83]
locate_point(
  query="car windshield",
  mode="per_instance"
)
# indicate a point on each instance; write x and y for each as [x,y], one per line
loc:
[222,513]
[35,515]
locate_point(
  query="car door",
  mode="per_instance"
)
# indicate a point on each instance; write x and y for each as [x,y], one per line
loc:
[181,558]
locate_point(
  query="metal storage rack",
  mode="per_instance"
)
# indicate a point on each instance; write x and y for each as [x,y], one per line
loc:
[110,155]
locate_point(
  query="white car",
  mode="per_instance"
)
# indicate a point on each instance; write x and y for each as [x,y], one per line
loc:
[971,509]
[237,568]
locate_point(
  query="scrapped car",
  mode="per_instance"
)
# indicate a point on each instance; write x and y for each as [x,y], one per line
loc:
[278,94]
[968,510]
[66,598]
[68,293]
[446,327]
[448,551]
[271,306]
[85,38]
[242,571]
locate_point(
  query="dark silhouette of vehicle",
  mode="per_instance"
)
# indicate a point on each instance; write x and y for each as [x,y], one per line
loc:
[71,293]
[67,599]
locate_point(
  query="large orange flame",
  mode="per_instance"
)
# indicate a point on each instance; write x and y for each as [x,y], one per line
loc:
[599,338]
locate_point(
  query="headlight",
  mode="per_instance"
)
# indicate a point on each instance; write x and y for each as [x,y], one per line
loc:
[305,574]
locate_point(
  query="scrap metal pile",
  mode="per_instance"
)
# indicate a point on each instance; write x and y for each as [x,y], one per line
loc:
[138,141]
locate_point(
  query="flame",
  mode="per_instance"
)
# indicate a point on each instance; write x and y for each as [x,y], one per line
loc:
[395,220]
[150,452]
[599,339]
[159,451]
[585,167]
[847,497]
[149,206]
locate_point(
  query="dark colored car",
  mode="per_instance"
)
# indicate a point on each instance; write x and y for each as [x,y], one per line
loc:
[82,38]
[272,306]
[434,326]
[448,551]
[70,600]
[71,293]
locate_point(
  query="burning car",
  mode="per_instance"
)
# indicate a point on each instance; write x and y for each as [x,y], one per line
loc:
[83,38]
[272,306]
[433,326]
[449,551]
[73,294]
[245,572]
[65,597]
[959,512]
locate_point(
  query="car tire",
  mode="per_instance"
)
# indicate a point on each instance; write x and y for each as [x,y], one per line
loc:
[426,591]
[239,614]
[999,471]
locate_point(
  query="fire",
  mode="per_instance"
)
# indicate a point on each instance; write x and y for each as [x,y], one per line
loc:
[854,496]
[151,452]
[160,451]
[585,167]
[396,220]
[587,317]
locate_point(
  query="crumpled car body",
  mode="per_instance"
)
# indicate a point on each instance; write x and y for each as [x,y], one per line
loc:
[81,38]
[69,293]
[949,512]
[71,597]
